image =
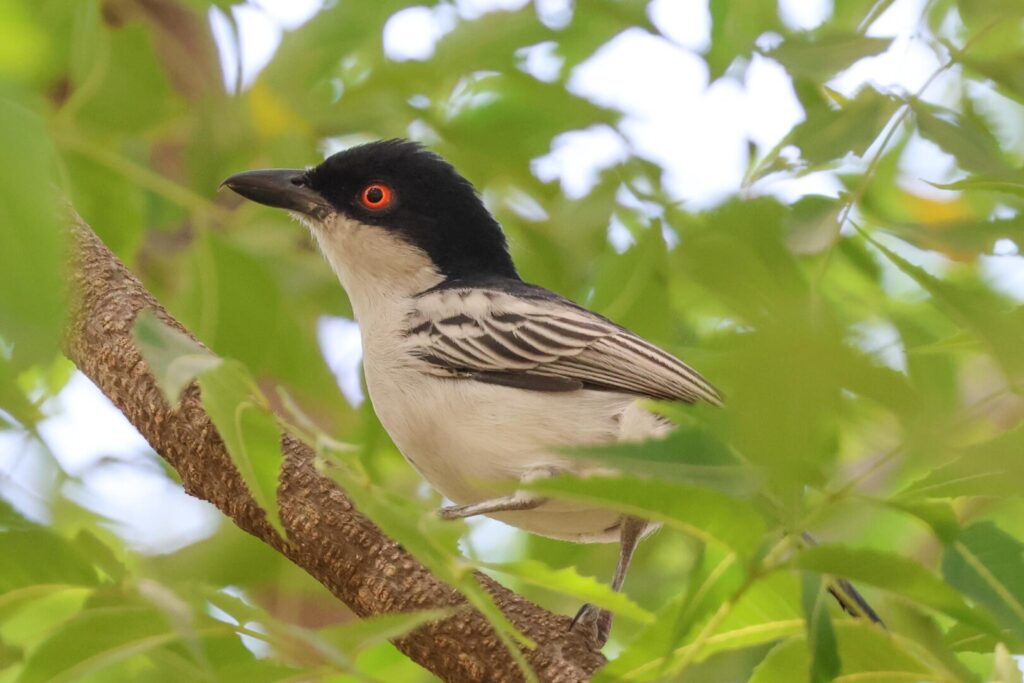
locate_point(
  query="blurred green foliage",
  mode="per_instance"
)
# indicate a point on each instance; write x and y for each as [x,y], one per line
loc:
[873,367]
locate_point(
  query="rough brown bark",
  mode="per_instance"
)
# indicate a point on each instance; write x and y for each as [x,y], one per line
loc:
[327,536]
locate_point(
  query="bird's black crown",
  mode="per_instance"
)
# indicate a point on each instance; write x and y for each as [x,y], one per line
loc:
[432,207]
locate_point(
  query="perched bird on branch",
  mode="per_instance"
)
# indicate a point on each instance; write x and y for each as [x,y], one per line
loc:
[480,379]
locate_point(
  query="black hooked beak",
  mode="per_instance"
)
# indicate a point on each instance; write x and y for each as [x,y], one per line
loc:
[282,188]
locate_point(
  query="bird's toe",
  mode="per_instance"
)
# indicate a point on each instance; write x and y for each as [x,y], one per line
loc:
[594,623]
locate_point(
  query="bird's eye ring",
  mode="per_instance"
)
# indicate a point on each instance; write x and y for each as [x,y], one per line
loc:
[376,197]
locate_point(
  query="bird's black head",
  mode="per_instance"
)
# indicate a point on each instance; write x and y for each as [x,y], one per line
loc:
[401,187]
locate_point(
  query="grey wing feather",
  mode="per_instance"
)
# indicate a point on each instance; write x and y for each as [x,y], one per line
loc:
[543,343]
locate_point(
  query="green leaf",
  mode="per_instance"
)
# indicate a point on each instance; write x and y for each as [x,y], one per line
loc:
[992,468]
[894,573]
[689,455]
[976,309]
[820,56]
[735,25]
[986,184]
[632,288]
[568,581]
[966,137]
[250,432]
[830,134]
[31,238]
[868,653]
[821,637]
[174,357]
[667,645]
[430,540]
[38,556]
[99,638]
[131,92]
[987,564]
[232,400]
[939,515]
[701,513]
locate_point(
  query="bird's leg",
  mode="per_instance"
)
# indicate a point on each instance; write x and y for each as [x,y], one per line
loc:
[597,621]
[520,500]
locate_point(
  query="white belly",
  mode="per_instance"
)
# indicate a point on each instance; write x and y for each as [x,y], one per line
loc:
[471,440]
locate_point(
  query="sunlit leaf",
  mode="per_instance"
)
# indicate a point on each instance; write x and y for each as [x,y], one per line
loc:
[568,581]
[98,638]
[702,513]
[667,645]
[866,651]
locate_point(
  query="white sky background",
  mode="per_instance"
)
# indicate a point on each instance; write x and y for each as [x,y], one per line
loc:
[696,132]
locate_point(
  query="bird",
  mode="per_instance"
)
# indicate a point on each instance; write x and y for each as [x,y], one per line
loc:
[480,379]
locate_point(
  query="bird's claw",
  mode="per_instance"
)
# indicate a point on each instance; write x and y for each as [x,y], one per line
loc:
[451,512]
[594,623]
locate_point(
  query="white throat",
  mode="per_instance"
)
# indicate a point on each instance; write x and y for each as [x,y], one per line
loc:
[378,270]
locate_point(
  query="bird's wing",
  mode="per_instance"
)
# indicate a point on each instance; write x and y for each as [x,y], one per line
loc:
[533,339]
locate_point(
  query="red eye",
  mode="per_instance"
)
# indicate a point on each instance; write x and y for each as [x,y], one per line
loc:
[376,196]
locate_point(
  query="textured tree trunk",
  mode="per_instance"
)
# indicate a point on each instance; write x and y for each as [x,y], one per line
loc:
[327,536]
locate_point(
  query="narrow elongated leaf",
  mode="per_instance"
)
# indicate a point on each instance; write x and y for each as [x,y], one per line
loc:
[977,309]
[231,398]
[987,564]
[821,638]
[1014,186]
[98,638]
[689,455]
[702,513]
[893,573]
[39,556]
[991,468]
[174,357]
[867,653]
[249,431]
[965,136]
[568,581]
[31,241]
[663,647]
[433,542]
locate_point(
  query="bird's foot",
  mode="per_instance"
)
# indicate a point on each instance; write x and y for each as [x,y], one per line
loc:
[594,623]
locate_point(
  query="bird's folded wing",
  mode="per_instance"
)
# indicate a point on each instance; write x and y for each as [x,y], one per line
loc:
[537,340]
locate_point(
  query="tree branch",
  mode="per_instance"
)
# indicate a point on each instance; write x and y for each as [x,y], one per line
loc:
[327,536]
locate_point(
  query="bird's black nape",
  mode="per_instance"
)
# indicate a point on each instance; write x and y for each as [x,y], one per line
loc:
[434,208]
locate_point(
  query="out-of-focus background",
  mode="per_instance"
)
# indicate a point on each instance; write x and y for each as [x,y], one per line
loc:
[816,204]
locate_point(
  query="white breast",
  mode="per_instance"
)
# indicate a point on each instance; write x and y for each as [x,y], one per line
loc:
[470,440]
